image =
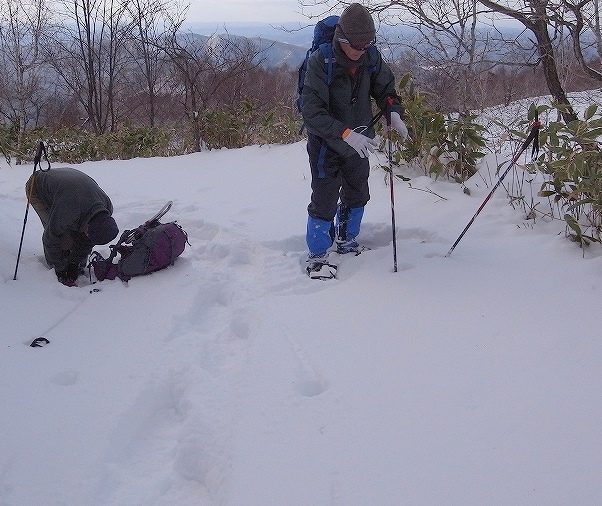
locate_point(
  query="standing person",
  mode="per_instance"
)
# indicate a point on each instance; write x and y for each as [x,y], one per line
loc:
[336,116]
[76,215]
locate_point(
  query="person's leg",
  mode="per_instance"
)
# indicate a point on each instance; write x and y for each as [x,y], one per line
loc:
[325,185]
[355,195]
[348,222]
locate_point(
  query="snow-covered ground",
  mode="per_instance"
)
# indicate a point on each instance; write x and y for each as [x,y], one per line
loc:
[233,379]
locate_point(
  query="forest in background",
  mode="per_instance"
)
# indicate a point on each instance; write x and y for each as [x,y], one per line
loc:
[116,79]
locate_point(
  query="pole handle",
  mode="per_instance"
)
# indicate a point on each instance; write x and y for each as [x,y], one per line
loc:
[41,150]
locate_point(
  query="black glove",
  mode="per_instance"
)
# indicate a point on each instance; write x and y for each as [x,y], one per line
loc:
[68,276]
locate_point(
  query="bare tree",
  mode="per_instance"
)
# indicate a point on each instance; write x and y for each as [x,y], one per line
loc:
[150,19]
[203,67]
[88,53]
[536,16]
[21,28]
[585,22]
[448,42]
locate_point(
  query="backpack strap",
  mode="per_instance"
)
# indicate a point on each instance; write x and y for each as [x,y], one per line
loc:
[329,61]
[374,53]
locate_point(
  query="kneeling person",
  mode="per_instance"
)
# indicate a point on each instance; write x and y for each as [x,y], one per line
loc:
[76,215]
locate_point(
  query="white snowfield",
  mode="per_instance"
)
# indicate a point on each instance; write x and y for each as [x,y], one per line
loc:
[233,379]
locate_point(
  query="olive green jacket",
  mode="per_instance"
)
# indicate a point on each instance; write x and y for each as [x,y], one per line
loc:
[66,199]
[347,103]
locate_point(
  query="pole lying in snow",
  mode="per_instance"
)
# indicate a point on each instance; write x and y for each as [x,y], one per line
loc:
[530,138]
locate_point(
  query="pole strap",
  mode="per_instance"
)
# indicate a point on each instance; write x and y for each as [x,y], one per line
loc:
[38,158]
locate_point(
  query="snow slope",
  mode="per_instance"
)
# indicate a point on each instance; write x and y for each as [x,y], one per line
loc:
[233,379]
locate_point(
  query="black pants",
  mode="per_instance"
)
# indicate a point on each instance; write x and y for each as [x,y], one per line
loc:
[334,177]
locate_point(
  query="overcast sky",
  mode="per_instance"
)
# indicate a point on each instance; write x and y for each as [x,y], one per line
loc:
[269,11]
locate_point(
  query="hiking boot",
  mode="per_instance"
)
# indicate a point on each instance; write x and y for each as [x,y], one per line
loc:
[318,267]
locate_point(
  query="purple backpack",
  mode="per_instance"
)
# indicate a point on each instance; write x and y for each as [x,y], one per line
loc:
[142,251]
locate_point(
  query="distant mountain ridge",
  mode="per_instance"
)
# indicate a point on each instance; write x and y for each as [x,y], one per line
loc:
[272,53]
[295,34]
[280,46]
[284,44]
[287,43]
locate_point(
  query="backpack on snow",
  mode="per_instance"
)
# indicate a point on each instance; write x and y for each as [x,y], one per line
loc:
[146,249]
[322,39]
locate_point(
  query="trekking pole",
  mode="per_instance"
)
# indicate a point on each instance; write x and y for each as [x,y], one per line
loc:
[532,137]
[373,121]
[390,156]
[36,161]
[375,118]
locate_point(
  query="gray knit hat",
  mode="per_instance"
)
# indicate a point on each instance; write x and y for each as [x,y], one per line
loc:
[102,228]
[356,25]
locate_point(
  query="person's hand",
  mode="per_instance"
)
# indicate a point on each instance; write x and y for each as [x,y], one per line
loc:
[398,124]
[68,277]
[362,144]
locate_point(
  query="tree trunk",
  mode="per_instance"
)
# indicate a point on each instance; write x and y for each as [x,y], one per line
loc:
[538,25]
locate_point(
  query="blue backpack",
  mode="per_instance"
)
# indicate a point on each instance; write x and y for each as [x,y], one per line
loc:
[323,35]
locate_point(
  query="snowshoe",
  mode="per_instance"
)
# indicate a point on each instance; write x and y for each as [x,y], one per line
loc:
[318,267]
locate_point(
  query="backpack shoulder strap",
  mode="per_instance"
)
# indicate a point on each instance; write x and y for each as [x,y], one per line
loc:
[329,61]
[374,56]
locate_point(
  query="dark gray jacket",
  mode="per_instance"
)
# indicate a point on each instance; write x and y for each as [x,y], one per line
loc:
[347,103]
[66,199]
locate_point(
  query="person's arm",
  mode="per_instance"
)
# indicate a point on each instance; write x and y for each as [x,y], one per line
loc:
[316,101]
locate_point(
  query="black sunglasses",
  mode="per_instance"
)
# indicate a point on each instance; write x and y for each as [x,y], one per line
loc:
[345,40]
